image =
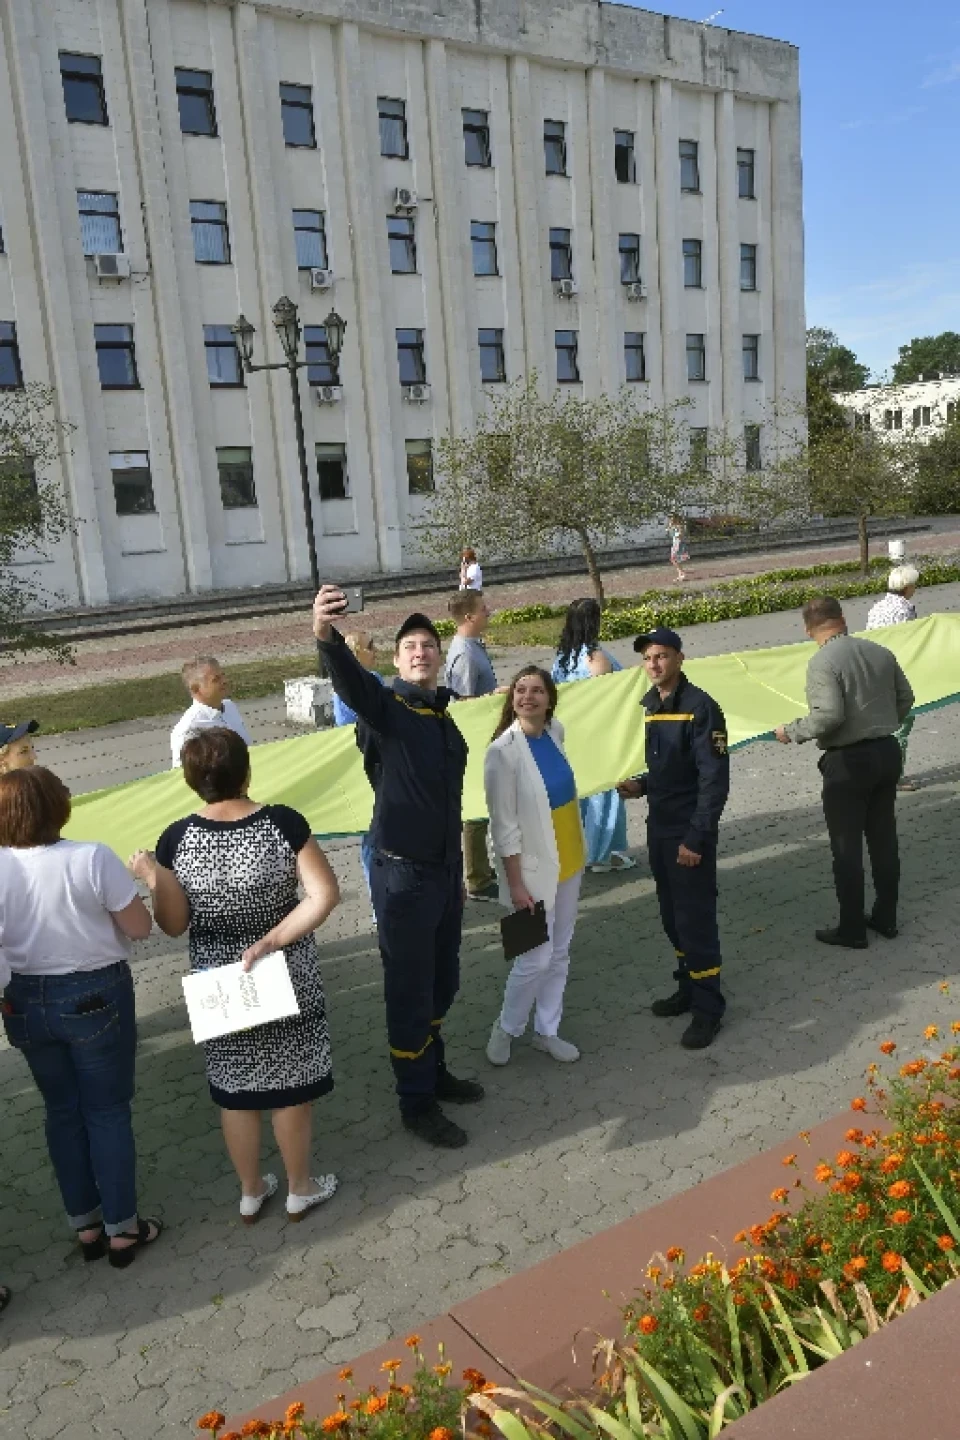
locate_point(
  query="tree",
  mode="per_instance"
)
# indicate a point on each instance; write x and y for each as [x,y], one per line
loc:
[929,355]
[938,472]
[824,414]
[851,471]
[834,364]
[32,513]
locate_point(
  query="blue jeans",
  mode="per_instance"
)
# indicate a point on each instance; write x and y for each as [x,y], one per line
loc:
[78,1034]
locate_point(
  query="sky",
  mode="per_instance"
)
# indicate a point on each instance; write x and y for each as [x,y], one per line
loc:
[880,98]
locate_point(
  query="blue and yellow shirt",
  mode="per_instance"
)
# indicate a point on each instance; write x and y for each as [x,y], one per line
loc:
[561,790]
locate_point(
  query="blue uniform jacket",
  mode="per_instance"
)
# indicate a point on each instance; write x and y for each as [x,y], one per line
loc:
[688,767]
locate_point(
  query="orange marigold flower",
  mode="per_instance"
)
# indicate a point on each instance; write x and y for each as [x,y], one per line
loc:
[892,1162]
[790,1279]
[946,1242]
[789,1160]
[296,1411]
[374,1405]
[854,1268]
[391,1365]
[339,1420]
[213,1420]
[356,1404]
[913,1067]
[822,1174]
[827,1247]
[888,1047]
[846,1159]
[345,1374]
[954,1074]
[256,1427]
[757,1236]
[406,1390]
[231,1435]
[901,1217]
[443,1370]
[931,1032]
[653,1273]
[701,1313]
[441,1433]
[779,1195]
[649,1324]
[739,1300]
[855,1136]
[669,1283]
[805,1136]
[412,1341]
[740,1237]
[476,1378]
[891,1261]
[861,1211]
[858,1103]
[767,1268]
[900,1190]
[675,1255]
[903,1294]
[955,1027]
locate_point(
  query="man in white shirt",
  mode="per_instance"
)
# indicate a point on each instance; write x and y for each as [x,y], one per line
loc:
[209,689]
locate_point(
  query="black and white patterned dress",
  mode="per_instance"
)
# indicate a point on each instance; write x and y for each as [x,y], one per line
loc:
[240,877]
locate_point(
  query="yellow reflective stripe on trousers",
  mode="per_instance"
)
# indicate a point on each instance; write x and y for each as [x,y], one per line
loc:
[703,974]
[411,1054]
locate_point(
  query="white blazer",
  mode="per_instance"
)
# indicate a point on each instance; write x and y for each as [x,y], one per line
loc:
[520,819]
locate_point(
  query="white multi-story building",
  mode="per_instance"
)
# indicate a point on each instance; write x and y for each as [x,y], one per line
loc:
[480,188]
[916,409]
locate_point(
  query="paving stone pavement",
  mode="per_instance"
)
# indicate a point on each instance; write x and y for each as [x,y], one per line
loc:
[223,1315]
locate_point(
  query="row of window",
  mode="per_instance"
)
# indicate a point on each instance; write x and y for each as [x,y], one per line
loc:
[86,103]
[920,418]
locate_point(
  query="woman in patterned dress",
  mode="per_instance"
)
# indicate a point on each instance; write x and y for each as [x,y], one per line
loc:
[229,874]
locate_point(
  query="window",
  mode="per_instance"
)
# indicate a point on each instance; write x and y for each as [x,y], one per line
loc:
[568,369]
[696,358]
[699,448]
[555,146]
[195,99]
[888,419]
[634,355]
[420,467]
[476,137]
[561,255]
[624,157]
[99,223]
[921,416]
[493,365]
[332,472]
[83,93]
[898,419]
[393,127]
[410,357]
[402,240]
[223,357]
[18,480]
[310,238]
[116,358]
[296,116]
[693,264]
[689,165]
[751,447]
[751,357]
[746,172]
[132,482]
[235,467]
[211,238]
[322,367]
[483,242]
[629,259]
[748,267]
[11,375]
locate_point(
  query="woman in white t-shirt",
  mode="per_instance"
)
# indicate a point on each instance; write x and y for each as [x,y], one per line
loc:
[70,910]
[471,576]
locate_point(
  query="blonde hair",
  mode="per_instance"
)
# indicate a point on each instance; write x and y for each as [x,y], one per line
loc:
[902,578]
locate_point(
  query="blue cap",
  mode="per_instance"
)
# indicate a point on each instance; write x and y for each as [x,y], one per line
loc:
[10,733]
[660,636]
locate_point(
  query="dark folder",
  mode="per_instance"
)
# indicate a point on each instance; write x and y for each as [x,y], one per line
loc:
[524,930]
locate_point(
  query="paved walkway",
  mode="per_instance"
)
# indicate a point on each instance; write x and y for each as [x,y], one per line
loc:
[220,1315]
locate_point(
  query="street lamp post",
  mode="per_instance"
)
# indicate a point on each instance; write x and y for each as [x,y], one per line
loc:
[287,324]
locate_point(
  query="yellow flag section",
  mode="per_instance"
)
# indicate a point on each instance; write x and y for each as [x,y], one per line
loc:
[321,774]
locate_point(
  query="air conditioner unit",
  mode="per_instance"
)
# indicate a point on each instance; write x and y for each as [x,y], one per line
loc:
[416,394]
[329,394]
[404,199]
[321,279]
[636,290]
[567,289]
[111,267]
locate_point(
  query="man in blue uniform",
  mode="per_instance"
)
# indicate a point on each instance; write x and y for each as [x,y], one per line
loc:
[686,785]
[415,757]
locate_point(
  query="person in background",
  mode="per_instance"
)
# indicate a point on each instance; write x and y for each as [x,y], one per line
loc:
[69,914]
[469,674]
[471,576]
[896,608]
[230,874]
[579,657]
[6,1295]
[857,696]
[538,841]
[363,648]
[679,548]
[16,747]
[209,691]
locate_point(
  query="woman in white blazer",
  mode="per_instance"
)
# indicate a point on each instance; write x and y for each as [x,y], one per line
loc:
[538,845]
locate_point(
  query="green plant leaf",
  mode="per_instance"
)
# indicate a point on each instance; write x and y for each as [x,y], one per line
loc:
[683,1423]
[793,1339]
[718,1416]
[948,1217]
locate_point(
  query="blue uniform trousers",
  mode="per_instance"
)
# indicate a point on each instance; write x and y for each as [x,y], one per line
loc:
[419,910]
[687,896]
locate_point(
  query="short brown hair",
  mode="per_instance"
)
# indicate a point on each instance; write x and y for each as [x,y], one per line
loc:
[464,604]
[34,807]
[822,610]
[216,764]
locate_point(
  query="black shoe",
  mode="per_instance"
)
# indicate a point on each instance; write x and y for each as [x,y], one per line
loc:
[457,1092]
[434,1127]
[833,937]
[889,932]
[676,1004]
[701,1031]
[489,892]
[93,1249]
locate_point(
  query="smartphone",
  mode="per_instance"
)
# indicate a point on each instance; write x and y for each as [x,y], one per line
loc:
[354,594]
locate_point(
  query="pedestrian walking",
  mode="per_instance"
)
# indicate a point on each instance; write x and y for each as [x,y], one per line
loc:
[580,656]
[538,841]
[469,674]
[16,747]
[210,705]
[686,785]
[857,697]
[896,608]
[679,547]
[364,649]
[68,912]
[471,576]
[415,757]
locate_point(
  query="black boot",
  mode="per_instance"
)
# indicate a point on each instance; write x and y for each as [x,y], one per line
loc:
[889,932]
[676,1004]
[833,937]
[434,1127]
[457,1092]
[701,1031]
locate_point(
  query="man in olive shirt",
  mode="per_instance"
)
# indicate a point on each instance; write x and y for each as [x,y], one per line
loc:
[857,696]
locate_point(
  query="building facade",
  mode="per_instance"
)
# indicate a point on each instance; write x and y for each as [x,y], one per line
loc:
[599,193]
[917,409]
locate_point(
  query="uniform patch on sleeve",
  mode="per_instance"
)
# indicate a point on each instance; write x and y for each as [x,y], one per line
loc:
[718,739]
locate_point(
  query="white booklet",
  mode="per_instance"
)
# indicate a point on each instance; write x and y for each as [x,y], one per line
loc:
[227,998]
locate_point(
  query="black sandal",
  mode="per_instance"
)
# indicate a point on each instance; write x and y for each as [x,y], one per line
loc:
[6,1295]
[126,1254]
[93,1249]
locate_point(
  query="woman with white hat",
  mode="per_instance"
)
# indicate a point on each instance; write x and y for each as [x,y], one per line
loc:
[896,608]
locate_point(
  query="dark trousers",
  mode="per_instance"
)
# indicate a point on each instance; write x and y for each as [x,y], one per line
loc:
[859,802]
[688,908]
[419,910]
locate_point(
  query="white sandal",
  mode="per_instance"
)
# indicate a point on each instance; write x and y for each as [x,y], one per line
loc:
[624,862]
[251,1205]
[298,1205]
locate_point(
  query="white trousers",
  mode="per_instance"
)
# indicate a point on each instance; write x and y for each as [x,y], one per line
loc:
[540,977]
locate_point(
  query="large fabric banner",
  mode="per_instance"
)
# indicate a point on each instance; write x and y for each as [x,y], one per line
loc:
[320,774]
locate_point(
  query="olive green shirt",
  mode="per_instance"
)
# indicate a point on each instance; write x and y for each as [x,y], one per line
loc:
[856,691]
